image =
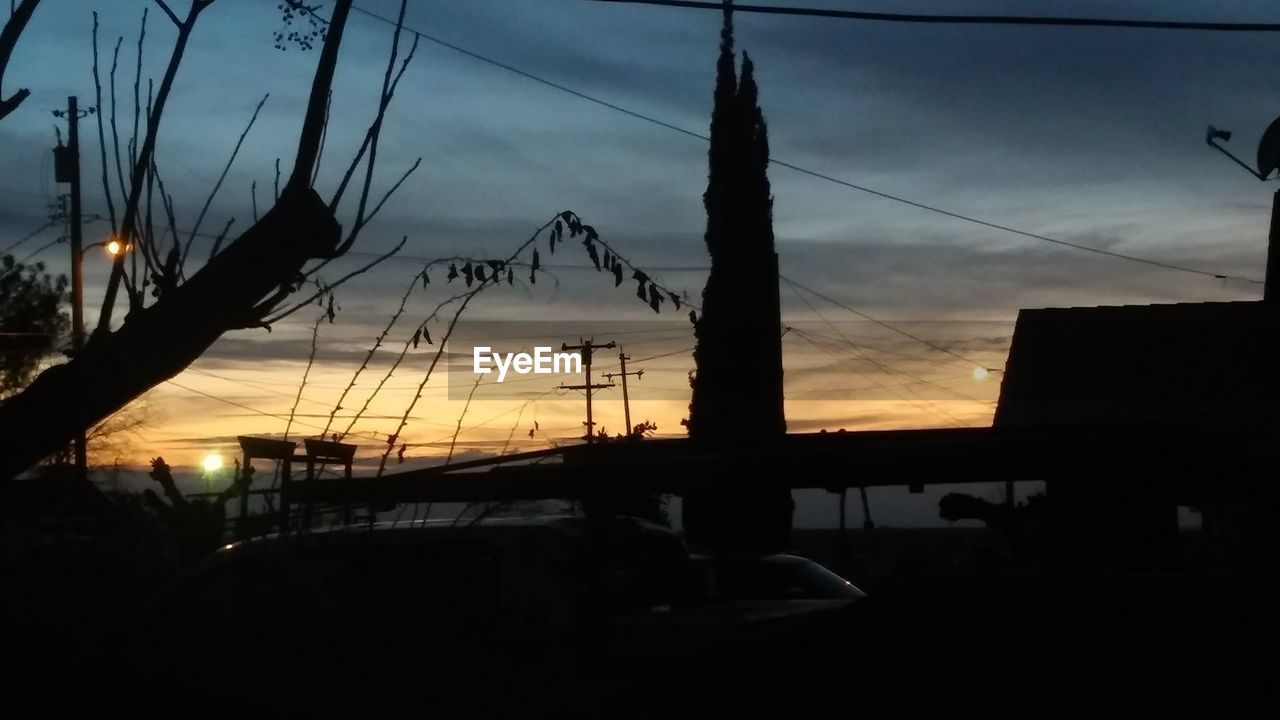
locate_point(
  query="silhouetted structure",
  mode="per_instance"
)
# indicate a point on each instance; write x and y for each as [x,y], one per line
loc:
[1204,367]
[737,391]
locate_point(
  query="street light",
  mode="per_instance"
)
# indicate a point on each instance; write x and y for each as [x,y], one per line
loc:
[113,246]
[980,373]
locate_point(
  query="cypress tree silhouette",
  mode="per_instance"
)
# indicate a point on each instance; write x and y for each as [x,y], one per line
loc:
[737,391]
[737,405]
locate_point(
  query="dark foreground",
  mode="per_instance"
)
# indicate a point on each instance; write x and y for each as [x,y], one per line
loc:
[977,644]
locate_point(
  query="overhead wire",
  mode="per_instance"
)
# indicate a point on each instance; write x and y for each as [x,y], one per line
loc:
[806,171]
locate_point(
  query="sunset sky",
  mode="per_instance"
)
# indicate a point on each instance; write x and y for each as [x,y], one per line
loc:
[1089,136]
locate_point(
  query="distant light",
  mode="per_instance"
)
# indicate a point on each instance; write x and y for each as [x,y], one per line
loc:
[980,373]
[114,247]
[212,462]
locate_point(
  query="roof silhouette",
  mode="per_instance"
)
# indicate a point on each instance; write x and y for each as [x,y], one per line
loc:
[1194,363]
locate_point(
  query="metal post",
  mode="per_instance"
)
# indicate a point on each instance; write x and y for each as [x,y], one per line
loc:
[1273,251]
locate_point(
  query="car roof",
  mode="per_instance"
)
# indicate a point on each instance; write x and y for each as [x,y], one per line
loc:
[499,530]
[773,558]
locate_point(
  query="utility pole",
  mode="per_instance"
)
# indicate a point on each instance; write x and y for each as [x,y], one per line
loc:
[587,347]
[626,401]
[67,169]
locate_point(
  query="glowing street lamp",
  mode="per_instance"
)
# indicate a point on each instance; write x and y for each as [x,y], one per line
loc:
[113,247]
[980,373]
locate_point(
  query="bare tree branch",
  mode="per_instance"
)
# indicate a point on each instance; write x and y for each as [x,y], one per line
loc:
[128,226]
[453,323]
[462,416]
[13,29]
[167,11]
[216,186]
[115,132]
[314,122]
[355,230]
[102,138]
[217,242]
[395,365]
[388,89]
[137,89]
[330,287]
[371,135]
[311,359]
[364,365]
[324,136]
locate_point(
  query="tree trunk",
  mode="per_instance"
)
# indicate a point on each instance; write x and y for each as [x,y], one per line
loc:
[158,342]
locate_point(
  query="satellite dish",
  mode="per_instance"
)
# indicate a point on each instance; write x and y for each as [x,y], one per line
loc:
[1269,150]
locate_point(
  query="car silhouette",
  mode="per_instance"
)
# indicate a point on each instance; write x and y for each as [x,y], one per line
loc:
[530,614]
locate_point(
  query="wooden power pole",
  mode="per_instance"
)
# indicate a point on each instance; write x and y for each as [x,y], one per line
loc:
[67,170]
[587,347]
[626,401]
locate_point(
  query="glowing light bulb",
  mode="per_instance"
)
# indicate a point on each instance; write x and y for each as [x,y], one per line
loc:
[980,373]
[114,247]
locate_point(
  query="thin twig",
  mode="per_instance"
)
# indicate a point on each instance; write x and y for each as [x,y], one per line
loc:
[453,323]
[364,365]
[324,137]
[462,416]
[311,359]
[370,137]
[384,101]
[115,132]
[167,201]
[128,226]
[143,239]
[390,82]
[395,365]
[346,245]
[421,328]
[331,286]
[514,425]
[102,138]
[217,242]
[216,186]
[137,88]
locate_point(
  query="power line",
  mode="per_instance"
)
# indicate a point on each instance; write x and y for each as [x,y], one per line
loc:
[254,410]
[862,351]
[881,323]
[967,19]
[805,171]
[23,262]
[920,404]
[28,236]
[1016,231]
